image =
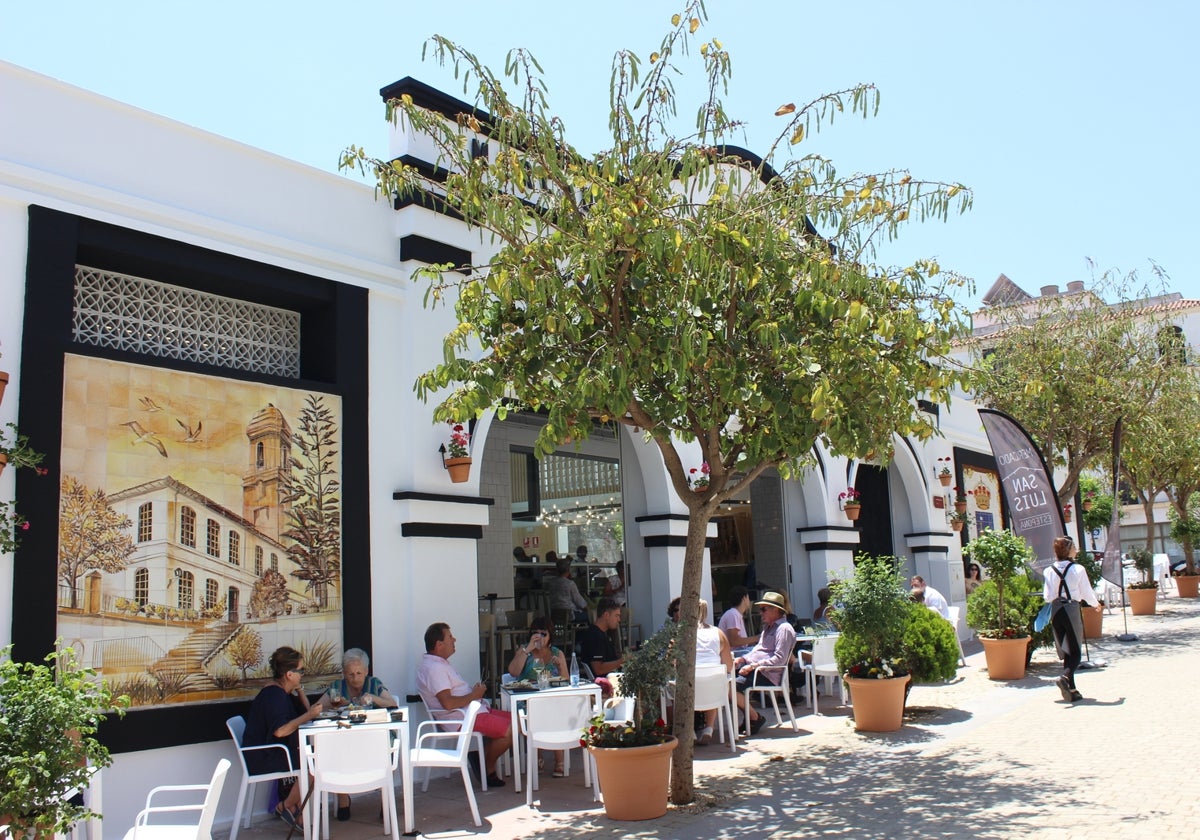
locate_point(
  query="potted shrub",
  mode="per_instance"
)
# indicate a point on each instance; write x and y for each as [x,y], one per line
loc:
[851,502]
[871,609]
[1093,620]
[49,714]
[960,500]
[1022,601]
[633,759]
[1006,643]
[958,520]
[15,450]
[943,471]
[1142,594]
[458,464]
[1185,530]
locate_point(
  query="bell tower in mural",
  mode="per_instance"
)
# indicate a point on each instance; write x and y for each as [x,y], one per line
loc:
[270,445]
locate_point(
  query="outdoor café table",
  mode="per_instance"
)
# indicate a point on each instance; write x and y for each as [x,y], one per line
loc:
[509,700]
[400,727]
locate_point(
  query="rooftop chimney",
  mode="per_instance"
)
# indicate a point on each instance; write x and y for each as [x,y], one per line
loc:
[1050,291]
[1075,286]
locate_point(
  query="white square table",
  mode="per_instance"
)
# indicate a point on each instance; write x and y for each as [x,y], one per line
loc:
[510,699]
[400,727]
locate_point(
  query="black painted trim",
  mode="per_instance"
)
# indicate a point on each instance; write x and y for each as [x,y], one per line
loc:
[832,546]
[441,530]
[431,251]
[334,360]
[662,517]
[413,495]
[931,549]
[813,528]
[673,541]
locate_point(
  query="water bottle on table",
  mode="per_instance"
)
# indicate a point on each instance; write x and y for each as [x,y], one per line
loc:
[574,669]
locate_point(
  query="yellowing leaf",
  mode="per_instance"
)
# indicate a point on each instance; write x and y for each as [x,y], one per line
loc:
[675,20]
[865,192]
[797,135]
[953,191]
[653,57]
[717,43]
[785,109]
[704,48]
[694,25]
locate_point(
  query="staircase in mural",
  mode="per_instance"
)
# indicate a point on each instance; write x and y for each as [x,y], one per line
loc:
[185,662]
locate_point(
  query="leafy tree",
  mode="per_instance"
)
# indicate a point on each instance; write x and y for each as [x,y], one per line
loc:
[1068,366]
[91,535]
[310,490]
[270,595]
[244,650]
[713,300]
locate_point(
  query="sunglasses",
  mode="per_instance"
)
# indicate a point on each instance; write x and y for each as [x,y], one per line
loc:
[297,670]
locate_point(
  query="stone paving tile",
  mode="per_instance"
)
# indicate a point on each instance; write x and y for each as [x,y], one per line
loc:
[975,759]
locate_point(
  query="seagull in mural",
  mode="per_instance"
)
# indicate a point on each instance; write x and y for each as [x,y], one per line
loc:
[149,405]
[143,436]
[191,435]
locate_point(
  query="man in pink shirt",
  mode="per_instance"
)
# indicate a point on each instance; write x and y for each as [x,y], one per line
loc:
[446,694]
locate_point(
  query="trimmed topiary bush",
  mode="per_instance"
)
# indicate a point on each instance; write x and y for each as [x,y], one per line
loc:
[930,646]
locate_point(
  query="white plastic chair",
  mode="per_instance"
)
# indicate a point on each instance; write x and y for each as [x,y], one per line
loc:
[714,690]
[953,618]
[237,730]
[774,692]
[823,664]
[355,761]
[451,725]
[426,755]
[200,830]
[554,723]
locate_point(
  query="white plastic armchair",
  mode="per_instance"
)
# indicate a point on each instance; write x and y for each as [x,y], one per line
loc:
[428,754]
[768,689]
[356,761]
[714,690]
[823,664]
[555,723]
[199,830]
[237,730]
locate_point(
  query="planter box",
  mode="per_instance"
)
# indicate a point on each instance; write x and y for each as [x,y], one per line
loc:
[1142,601]
[1006,657]
[635,781]
[1093,622]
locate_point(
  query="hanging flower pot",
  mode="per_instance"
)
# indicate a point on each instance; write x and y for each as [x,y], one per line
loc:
[3,461]
[945,478]
[3,384]
[960,507]
[852,509]
[459,469]
[1086,504]
[1067,513]
[956,524]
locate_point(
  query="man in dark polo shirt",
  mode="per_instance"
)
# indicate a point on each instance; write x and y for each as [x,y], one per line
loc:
[595,646]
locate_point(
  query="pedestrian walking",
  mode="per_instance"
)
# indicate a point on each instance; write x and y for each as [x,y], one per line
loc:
[1065,586]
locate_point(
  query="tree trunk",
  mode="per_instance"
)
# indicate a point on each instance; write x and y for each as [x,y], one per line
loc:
[1148,510]
[682,783]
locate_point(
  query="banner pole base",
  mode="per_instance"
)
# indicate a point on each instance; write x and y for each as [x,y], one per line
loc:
[1126,637]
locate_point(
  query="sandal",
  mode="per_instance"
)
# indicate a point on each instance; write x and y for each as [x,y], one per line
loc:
[559,773]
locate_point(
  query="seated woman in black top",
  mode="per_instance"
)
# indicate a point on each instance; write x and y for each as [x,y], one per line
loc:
[275,717]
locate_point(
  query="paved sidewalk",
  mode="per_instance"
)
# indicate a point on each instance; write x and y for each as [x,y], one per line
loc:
[974,759]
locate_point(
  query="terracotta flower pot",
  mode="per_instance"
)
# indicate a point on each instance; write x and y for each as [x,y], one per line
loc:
[3,461]
[945,479]
[852,511]
[1086,505]
[956,525]
[1142,601]
[1093,623]
[960,507]
[1005,657]
[878,705]
[635,780]
[459,469]
[1188,585]
[3,384]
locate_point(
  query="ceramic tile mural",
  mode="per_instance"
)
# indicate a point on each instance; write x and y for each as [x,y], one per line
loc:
[199,529]
[983,499]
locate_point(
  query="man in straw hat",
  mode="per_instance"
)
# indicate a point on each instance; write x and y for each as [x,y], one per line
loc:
[774,648]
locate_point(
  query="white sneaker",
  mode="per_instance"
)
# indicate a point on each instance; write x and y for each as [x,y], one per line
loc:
[705,737]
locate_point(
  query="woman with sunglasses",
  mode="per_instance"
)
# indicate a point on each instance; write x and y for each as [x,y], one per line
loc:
[275,717]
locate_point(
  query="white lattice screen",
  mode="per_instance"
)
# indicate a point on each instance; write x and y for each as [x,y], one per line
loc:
[157,319]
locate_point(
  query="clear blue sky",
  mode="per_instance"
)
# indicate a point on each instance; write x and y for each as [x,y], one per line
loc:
[1072,121]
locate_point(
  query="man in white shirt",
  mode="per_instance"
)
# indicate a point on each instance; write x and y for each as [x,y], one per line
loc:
[446,694]
[935,600]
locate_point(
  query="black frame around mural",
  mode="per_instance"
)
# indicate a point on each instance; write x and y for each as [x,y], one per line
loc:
[981,461]
[333,359]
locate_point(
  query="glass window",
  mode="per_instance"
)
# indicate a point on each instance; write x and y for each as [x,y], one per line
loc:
[187,585]
[235,548]
[214,538]
[210,593]
[187,527]
[145,530]
[141,586]
[258,560]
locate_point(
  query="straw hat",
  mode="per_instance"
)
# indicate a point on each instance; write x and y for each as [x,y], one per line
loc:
[772,599]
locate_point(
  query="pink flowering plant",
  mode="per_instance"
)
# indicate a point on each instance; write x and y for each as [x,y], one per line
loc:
[943,467]
[850,496]
[698,478]
[460,441]
[12,525]
[20,454]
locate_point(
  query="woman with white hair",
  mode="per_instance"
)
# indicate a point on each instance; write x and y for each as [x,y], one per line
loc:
[358,689]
